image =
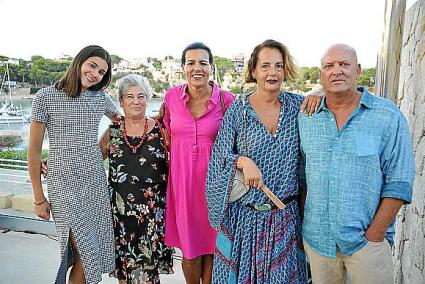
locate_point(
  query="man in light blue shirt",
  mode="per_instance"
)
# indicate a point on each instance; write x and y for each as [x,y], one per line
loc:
[359,171]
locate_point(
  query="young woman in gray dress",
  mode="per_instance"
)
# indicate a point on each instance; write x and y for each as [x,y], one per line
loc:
[78,195]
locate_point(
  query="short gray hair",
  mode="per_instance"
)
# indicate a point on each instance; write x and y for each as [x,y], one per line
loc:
[134,80]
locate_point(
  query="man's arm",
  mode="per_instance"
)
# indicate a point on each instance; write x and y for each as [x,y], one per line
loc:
[387,211]
[399,170]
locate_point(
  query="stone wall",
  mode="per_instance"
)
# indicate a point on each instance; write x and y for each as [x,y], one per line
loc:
[409,253]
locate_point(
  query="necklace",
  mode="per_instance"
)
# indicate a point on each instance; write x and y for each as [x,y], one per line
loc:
[143,138]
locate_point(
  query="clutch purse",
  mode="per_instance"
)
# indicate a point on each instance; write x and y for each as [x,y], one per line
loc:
[238,188]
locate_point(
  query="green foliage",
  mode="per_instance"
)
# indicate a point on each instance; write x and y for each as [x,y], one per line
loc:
[34,90]
[236,90]
[367,77]
[160,87]
[16,155]
[148,75]
[39,72]
[155,62]
[312,74]
[8,142]
[118,76]
[19,155]
[46,71]
[157,65]
[4,58]
[224,65]
[18,73]
[115,59]
[157,88]
[36,57]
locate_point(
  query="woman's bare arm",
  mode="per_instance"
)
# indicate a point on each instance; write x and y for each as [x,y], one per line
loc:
[37,129]
[103,144]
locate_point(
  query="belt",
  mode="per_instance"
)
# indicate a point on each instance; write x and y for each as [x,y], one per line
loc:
[267,207]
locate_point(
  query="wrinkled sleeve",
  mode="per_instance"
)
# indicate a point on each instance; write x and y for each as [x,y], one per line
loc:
[110,107]
[222,164]
[39,108]
[398,164]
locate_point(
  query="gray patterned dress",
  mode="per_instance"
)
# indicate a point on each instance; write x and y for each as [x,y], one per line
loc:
[77,186]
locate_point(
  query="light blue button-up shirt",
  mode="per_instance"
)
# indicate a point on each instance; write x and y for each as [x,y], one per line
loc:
[347,172]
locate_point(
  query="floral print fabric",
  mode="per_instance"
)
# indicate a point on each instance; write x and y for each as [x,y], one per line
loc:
[138,183]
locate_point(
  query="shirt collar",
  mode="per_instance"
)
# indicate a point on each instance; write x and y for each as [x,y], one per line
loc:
[366,99]
[215,96]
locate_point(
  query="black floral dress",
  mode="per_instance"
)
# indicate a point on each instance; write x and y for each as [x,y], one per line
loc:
[138,183]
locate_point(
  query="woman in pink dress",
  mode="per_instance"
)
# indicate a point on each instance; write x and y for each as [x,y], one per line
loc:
[193,113]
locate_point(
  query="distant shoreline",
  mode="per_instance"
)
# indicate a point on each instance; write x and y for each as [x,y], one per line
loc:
[24,93]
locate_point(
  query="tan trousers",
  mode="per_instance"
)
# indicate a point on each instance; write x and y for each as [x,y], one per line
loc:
[371,264]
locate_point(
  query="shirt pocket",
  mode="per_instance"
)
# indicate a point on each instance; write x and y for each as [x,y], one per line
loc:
[366,145]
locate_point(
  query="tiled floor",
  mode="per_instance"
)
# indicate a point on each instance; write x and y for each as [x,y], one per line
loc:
[33,258]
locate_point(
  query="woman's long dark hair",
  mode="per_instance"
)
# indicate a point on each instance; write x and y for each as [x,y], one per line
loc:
[70,83]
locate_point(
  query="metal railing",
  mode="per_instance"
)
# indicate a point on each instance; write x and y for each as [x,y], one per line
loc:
[14,164]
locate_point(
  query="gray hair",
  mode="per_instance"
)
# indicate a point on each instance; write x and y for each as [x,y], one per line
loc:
[134,80]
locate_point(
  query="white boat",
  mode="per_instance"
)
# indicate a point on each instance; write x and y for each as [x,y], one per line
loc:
[9,113]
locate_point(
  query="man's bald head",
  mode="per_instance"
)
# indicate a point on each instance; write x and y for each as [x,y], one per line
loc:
[340,47]
[339,70]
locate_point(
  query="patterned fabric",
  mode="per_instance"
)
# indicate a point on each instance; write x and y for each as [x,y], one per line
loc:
[253,246]
[191,144]
[76,182]
[350,170]
[138,183]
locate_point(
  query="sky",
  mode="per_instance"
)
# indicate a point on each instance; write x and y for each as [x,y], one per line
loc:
[156,28]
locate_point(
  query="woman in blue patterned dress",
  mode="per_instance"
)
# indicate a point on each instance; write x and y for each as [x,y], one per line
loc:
[259,135]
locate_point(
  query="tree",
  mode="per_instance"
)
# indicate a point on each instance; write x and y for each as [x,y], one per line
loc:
[367,77]
[46,71]
[155,63]
[118,76]
[224,65]
[314,74]
[115,59]
[8,142]
[236,90]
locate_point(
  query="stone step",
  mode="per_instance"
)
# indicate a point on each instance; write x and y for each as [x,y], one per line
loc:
[23,202]
[5,200]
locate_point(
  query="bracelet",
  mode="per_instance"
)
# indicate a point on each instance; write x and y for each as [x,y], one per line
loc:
[45,200]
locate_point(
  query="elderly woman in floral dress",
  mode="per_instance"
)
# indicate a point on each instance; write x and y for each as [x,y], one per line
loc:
[138,181]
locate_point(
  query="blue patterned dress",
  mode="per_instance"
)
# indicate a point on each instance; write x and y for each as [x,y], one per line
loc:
[254,246]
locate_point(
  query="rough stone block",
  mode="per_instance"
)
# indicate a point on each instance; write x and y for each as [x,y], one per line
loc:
[23,202]
[5,200]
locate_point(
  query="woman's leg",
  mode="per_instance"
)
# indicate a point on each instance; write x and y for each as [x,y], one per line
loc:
[76,276]
[207,266]
[192,270]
